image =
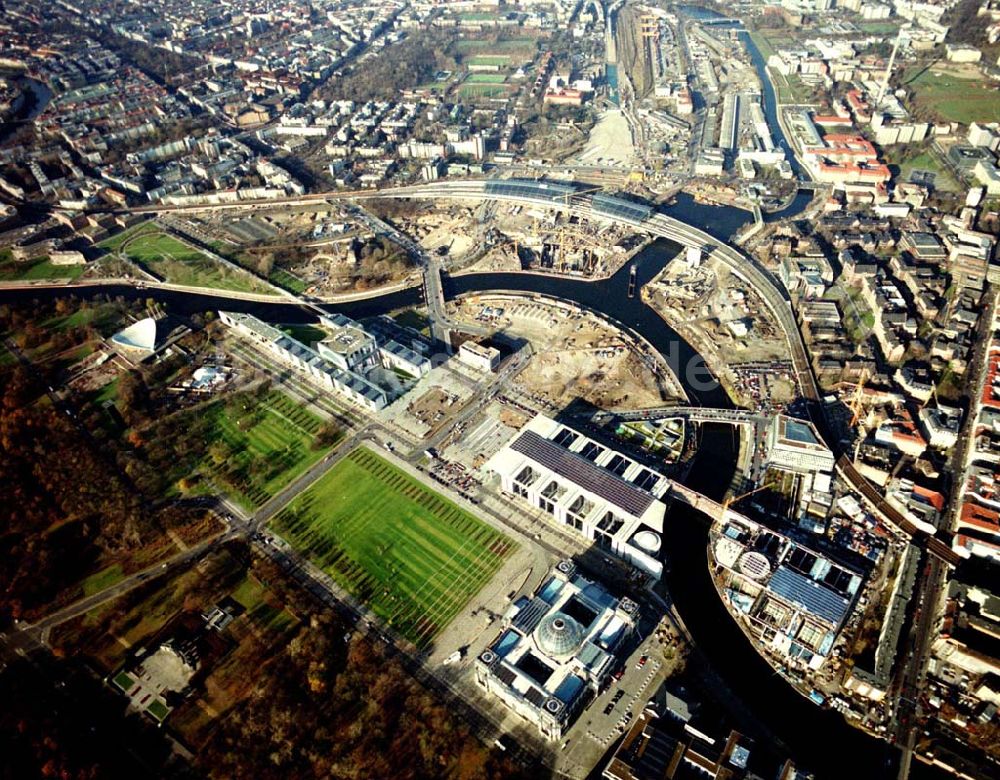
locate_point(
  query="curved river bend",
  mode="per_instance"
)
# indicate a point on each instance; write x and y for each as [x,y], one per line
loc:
[817,739]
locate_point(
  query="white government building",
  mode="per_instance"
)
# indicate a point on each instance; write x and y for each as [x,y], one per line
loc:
[313,366]
[607,497]
[557,648]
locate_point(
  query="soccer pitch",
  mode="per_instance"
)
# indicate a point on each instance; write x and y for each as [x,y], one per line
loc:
[413,556]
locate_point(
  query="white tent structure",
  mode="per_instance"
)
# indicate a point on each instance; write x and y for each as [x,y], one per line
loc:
[137,337]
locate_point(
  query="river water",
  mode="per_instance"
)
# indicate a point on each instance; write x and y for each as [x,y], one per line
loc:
[817,739]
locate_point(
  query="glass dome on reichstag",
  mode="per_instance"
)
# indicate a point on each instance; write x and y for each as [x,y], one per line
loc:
[559,634]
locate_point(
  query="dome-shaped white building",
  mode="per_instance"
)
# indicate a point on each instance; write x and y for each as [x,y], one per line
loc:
[139,337]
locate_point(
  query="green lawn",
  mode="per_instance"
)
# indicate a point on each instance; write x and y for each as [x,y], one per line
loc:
[115,242]
[307,334]
[178,263]
[106,318]
[763,43]
[124,681]
[952,98]
[267,445]
[792,89]
[879,28]
[103,580]
[411,318]
[489,59]
[928,161]
[249,593]
[36,270]
[107,393]
[412,555]
[503,45]
[287,281]
[485,78]
[157,709]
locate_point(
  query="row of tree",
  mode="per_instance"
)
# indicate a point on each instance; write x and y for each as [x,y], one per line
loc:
[326,708]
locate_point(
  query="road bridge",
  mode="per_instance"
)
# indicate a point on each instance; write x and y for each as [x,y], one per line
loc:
[641,216]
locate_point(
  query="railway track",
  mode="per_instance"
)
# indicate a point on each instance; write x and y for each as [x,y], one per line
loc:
[935,544]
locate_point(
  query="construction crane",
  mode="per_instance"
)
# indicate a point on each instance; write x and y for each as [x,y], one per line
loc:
[933,395]
[730,501]
[855,404]
[565,232]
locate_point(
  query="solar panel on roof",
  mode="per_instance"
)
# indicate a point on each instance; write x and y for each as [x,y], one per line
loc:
[808,594]
[583,473]
[528,618]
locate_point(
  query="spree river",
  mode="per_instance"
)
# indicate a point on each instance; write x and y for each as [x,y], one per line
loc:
[770,711]
[817,739]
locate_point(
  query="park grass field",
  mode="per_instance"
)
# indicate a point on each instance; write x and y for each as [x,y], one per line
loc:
[952,97]
[268,445]
[177,263]
[287,281]
[37,270]
[115,242]
[103,579]
[412,555]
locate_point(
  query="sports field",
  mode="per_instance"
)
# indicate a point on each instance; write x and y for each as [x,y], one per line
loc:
[482,90]
[510,44]
[412,555]
[486,78]
[287,281]
[492,60]
[265,446]
[178,263]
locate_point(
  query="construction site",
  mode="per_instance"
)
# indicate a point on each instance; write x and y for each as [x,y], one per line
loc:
[727,322]
[576,355]
[520,238]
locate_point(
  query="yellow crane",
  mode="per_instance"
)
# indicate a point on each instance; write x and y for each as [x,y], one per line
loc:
[855,404]
[730,501]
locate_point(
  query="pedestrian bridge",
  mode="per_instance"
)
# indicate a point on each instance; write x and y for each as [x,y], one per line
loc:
[692,413]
